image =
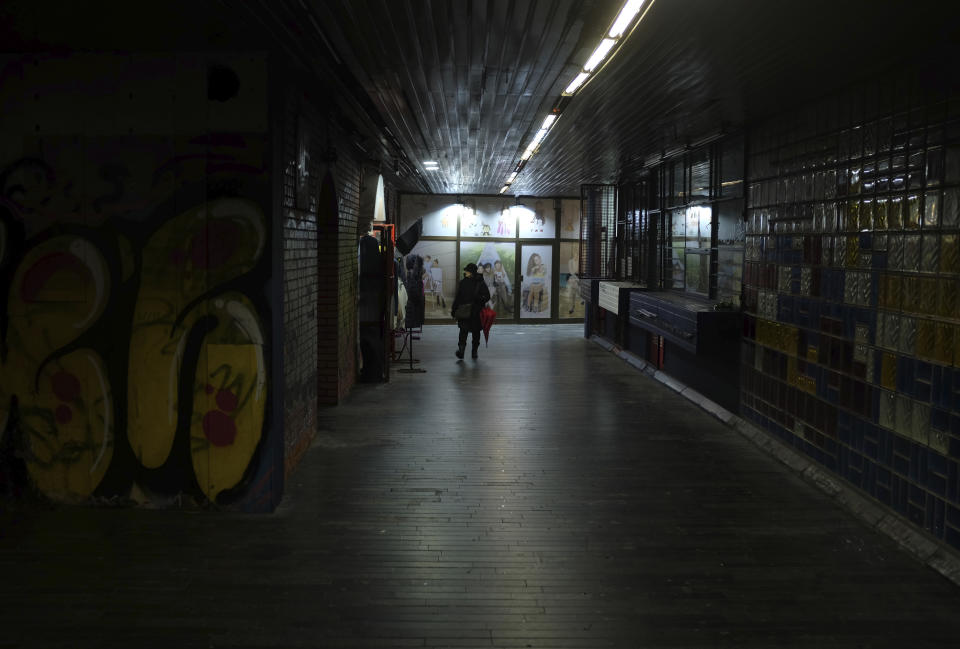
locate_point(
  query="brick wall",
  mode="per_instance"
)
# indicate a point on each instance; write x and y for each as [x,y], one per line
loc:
[300,164]
[850,292]
[348,190]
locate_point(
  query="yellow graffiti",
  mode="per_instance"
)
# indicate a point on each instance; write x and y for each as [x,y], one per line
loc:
[64,400]
[188,257]
[230,397]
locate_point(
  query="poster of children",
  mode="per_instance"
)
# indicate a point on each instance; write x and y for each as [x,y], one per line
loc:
[535,289]
[439,277]
[569,302]
[570,218]
[497,263]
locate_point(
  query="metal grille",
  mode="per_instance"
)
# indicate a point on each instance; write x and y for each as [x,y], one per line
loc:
[598,207]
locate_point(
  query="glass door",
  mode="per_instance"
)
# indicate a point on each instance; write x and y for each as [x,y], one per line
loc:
[496,261]
[536,281]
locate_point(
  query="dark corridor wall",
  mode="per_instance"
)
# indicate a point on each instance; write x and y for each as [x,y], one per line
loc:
[135,279]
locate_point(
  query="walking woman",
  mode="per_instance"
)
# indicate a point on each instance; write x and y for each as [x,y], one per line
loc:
[472,294]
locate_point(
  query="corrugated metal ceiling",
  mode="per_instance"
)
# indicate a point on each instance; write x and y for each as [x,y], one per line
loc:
[468,82]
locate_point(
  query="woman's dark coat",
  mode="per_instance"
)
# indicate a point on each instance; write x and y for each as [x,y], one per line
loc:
[471,290]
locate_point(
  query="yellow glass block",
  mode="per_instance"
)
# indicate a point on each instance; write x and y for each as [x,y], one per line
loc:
[912,217]
[813,353]
[910,293]
[928,295]
[763,333]
[853,251]
[895,285]
[853,216]
[926,334]
[943,343]
[949,255]
[866,215]
[880,214]
[946,297]
[895,214]
[888,371]
[956,348]
[791,337]
[807,384]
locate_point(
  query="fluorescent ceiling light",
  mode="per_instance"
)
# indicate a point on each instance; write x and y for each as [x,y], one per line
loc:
[626,14]
[512,177]
[602,49]
[548,121]
[430,162]
[576,83]
[504,188]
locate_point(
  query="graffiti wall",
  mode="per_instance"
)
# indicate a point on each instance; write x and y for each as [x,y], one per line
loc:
[135,320]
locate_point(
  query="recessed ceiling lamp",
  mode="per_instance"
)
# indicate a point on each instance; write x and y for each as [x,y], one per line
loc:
[626,16]
[431,165]
[630,9]
[615,35]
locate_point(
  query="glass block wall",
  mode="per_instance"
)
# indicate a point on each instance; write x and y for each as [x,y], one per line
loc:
[851,347]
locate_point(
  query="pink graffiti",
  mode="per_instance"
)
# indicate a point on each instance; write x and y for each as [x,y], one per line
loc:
[46,267]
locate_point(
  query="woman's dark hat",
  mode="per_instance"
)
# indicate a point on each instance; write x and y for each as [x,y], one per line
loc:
[472,268]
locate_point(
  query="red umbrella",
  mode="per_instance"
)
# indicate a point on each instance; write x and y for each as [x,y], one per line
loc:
[487,316]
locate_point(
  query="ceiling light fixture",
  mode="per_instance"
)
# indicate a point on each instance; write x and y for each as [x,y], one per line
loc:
[504,188]
[630,9]
[598,54]
[628,12]
[576,83]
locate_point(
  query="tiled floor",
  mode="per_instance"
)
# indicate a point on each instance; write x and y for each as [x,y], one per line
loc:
[547,495]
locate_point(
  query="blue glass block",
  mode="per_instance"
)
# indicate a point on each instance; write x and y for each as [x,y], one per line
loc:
[844,419]
[843,434]
[884,476]
[901,465]
[879,260]
[924,371]
[921,391]
[915,514]
[937,484]
[866,241]
[918,464]
[871,449]
[901,446]
[928,505]
[883,495]
[953,515]
[905,374]
[856,460]
[828,461]
[951,481]
[939,508]
[868,481]
[951,536]
[955,424]
[939,419]
[937,462]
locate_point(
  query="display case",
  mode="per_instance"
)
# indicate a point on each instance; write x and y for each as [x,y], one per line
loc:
[693,323]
